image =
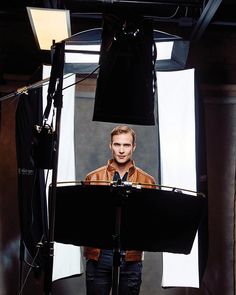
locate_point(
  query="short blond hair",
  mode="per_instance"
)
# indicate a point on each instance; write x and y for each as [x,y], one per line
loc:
[123,129]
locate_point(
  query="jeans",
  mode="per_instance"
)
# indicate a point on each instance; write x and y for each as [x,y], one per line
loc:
[99,276]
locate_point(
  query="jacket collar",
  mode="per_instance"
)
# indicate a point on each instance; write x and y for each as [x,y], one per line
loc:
[111,168]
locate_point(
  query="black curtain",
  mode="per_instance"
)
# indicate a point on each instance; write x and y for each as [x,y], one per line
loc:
[31,180]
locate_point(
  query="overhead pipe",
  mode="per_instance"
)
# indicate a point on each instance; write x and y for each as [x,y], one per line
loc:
[142,7]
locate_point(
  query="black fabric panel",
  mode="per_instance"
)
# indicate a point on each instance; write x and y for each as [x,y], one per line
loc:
[126,79]
[31,183]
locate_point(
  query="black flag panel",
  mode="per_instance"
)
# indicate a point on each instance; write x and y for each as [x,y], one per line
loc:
[151,219]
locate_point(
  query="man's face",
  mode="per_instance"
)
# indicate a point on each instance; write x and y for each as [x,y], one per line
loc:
[122,147]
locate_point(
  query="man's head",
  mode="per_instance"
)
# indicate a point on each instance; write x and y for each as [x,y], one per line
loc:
[123,144]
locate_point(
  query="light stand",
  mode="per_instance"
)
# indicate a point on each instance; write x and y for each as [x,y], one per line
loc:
[122,191]
[55,93]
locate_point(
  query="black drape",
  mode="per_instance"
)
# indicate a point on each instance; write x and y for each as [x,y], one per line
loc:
[31,181]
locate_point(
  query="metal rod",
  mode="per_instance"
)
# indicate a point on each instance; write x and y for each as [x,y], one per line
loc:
[205,18]
[59,63]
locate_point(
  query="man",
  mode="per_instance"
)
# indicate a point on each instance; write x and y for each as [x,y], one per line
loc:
[99,262]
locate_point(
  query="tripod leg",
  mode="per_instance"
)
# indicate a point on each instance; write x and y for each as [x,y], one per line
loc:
[22,256]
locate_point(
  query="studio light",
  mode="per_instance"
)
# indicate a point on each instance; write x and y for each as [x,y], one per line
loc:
[125,51]
[49,25]
[126,79]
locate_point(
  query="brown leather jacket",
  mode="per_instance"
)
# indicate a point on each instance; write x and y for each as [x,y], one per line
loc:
[106,173]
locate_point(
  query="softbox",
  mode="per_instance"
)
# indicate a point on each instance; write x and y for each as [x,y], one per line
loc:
[126,79]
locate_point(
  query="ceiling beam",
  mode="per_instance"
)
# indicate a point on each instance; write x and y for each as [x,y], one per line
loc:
[144,6]
[205,18]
